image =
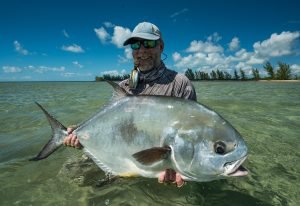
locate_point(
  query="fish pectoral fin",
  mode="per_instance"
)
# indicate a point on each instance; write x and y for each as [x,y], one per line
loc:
[152,155]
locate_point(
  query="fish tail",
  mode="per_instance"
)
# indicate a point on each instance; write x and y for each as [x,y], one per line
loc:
[59,132]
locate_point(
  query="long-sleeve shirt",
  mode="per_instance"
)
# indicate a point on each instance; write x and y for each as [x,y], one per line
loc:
[164,82]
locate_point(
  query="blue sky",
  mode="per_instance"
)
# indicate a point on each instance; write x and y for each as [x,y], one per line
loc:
[77,40]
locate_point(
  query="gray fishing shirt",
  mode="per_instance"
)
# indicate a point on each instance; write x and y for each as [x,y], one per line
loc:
[164,82]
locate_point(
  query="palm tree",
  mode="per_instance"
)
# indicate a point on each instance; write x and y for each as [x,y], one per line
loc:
[236,75]
[270,70]
[227,75]
[213,75]
[220,75]
[255,73]
[284,71]
[243,76]
[189,74]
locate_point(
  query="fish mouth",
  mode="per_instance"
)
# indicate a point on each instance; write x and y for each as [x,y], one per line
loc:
[235,168]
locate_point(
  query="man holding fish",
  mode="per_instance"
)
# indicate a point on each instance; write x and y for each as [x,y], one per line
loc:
[150,77]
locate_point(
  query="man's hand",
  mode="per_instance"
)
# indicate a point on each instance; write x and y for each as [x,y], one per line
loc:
[72,140]
[170,175]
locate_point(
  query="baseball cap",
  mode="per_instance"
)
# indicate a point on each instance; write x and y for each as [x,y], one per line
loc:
[144,30]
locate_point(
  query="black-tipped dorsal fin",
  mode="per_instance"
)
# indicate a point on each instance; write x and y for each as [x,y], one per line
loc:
[119,92]
[152,155]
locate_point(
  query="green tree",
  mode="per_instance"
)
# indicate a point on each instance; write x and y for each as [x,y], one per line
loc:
[220,75]
[227,76]
[270,70]
[255,74]
[284,71]
[199,75]
[236,75]
[189,74]
[206,76]
[213,75]
[243,76]
[126,76]
[99,79]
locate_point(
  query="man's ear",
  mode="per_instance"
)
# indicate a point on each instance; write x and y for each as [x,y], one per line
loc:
[161,46]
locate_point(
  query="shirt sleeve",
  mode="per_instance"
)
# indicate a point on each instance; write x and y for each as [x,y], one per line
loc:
[184,88]
[189,92]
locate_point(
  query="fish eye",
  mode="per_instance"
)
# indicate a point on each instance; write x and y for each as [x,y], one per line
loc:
[220,147]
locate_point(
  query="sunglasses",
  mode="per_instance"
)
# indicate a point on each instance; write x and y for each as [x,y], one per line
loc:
[148,44]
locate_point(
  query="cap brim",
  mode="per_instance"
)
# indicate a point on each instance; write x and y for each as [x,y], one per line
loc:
[147,36]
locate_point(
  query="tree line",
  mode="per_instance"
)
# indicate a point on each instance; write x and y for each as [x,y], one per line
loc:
[282,73]
[111,77]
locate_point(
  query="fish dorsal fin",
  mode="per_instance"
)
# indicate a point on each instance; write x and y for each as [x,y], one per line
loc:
[119,92]
[152,155]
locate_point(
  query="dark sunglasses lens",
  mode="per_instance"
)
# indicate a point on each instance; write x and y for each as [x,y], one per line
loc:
[149,43]
[136,45]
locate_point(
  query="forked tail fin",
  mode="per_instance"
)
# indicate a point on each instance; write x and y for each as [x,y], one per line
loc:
[59,131]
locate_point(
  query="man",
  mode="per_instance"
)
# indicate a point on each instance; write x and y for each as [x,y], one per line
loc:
[150,77]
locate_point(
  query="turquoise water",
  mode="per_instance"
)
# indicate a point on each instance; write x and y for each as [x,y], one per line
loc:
[266,114]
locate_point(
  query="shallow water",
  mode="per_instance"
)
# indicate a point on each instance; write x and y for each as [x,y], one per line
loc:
[266,114]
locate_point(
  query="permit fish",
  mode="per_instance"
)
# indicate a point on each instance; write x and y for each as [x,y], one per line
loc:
[145,135]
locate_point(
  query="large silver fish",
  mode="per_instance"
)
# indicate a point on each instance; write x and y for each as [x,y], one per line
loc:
[144,135]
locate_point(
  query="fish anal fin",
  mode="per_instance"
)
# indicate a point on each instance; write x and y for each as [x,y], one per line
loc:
[152,155]
[128,174]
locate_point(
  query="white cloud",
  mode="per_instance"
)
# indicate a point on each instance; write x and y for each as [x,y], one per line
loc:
[234,44]
[204,47]
[242,65]
[176,56]
[128,53]
[20,49]
[27,77]
[127,56]
[43,69]
[77,64]
[111,72]
[73,48]
[68,74]
[256,60]
[120,35]
[277,45]
[114,72]
[209,55]
[102,35]
[11,69]
[109,24]
[243,54]
[295,68]
[65,34]
[179,12]
[74,74]
[215,37]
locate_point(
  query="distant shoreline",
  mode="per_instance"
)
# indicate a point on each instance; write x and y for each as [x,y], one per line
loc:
[291,80]
[263,80]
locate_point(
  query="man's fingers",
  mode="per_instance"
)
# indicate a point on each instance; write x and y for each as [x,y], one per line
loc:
[67,140]
[161,177]
[72,141]
[77,143]
[170,175]
[179,181]
[69,130]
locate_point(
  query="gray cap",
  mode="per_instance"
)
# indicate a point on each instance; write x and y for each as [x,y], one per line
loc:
[144,30]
